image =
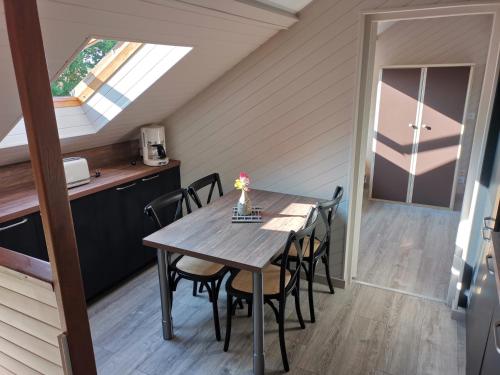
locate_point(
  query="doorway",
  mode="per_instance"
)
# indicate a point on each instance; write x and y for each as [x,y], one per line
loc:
[421,115]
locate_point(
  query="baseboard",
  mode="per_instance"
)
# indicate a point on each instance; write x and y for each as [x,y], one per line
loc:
[433,299]
[337,283]
[458,314]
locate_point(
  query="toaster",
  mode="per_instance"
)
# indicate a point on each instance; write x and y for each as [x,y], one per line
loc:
[77,171]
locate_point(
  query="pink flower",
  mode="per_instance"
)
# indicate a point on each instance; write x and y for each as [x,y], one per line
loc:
[243,182]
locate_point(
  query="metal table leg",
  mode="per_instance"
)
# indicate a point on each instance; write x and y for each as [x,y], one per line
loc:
[258,324]
[165,295]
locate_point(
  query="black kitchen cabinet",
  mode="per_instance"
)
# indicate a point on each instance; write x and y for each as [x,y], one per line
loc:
[23,235]
[483,298]
[491,361]
[110,226]
[132,198]
[483,316]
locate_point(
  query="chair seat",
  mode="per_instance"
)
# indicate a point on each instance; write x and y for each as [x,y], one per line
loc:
[243,281]
[198,267]
[306,250]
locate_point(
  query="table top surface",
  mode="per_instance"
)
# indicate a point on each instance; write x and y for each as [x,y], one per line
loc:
[209,234]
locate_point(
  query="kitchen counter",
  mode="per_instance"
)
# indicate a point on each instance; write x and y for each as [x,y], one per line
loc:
[23,200]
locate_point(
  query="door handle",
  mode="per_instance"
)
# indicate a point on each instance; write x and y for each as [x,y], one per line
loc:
[150,178]
[486,234]
[489,264]
[24,221]
[410,125]
[489,222]
[488,228]
[426,127]
[126,187]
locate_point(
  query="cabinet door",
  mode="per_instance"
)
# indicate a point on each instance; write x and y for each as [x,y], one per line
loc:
[439,139]
[396,125]
[483,298]
[91,221]
[21,235]
[491,362]
[127,226]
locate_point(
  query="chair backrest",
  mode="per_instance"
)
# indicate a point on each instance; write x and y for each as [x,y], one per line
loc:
[211,180]
[327,210]
[300,239]
[155,208]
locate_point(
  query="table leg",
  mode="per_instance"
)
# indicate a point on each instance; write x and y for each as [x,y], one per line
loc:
[165,295]
[258,324]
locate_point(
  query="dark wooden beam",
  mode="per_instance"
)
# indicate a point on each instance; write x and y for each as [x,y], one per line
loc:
[26,45]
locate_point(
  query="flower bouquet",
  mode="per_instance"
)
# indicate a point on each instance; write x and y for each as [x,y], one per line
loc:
[244,204]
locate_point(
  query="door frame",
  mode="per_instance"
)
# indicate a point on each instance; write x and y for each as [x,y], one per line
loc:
[374,120]
[364,81]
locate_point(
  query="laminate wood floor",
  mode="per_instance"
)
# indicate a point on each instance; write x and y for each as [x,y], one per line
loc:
[408,248]
[359,331]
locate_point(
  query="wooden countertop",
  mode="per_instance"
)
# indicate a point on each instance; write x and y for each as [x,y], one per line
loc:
[23,201]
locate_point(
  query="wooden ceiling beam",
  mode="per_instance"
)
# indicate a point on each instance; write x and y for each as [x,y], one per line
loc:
[26,44]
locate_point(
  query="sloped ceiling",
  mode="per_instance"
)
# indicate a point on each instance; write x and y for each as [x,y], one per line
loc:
[221,37]
[292,6]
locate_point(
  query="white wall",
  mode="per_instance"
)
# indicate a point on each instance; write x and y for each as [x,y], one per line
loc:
[285,113]
[449,40]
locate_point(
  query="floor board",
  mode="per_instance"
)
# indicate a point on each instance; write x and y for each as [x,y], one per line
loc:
[408,248]
[359,331]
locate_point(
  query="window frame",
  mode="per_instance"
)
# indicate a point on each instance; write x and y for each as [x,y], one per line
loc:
[98,75]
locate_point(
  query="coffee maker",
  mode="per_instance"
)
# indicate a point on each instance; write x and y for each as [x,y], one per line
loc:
[153,145]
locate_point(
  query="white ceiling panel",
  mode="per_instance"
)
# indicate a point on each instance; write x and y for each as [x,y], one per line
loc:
[219,42]
[292,6]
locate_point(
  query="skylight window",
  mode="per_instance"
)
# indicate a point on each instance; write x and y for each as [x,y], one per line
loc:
[115,73]
[81,66]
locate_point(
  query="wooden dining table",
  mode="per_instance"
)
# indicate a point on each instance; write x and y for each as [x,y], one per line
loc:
[208,233]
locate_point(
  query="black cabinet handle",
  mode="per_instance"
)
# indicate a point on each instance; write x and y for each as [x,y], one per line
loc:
[489,264]
[489,222]
[24,221]
[150,178]
[488,228]
[126,187]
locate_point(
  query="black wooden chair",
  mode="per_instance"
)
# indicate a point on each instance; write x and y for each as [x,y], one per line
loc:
[212,180]
[327,210]
[206,273]
[280,280]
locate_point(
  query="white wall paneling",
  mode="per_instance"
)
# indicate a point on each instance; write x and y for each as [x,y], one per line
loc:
[29,325]
[285,113]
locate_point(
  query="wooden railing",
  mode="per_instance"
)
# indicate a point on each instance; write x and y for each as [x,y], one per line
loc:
[32,77]
[31,338]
